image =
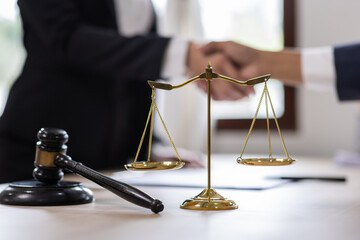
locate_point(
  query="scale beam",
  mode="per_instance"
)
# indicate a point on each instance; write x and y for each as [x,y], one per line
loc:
[249,82]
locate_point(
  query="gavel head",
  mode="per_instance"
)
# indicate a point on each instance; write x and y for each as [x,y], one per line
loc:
[51,143]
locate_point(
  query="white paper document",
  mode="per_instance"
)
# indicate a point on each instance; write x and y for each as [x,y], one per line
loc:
[226,175]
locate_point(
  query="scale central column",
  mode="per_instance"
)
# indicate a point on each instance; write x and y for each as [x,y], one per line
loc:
[209,199]
[209,133]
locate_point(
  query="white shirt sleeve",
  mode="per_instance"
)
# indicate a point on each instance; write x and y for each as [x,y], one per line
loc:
[134,17]
[318,68]
[174,61]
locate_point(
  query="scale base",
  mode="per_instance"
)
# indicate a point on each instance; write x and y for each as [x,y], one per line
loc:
[35,193]
[208,200]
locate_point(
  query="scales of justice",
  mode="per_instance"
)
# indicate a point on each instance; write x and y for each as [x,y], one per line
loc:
[208,199]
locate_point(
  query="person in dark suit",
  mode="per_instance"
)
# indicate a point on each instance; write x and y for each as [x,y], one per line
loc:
[334,68]
[81,75]
[347,62]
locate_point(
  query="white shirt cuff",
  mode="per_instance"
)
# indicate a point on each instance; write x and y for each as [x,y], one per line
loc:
[318,68]
[174,62]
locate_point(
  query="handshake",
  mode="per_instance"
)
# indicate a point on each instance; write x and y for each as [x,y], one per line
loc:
[242,62]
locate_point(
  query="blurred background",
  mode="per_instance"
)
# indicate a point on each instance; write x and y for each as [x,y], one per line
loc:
[313,123]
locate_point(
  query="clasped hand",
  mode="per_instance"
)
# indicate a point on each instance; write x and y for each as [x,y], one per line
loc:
[226,58]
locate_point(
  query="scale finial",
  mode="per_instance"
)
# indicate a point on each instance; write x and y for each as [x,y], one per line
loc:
[209,65]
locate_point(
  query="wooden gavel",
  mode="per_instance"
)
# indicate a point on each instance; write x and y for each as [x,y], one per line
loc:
[51,158]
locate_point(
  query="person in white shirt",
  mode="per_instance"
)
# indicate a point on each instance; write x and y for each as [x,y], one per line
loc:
[334,68]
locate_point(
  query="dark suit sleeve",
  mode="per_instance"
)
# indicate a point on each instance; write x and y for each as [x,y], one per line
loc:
[60,27]
[347,63]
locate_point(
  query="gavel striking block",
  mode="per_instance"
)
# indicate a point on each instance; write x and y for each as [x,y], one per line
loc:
[49,190]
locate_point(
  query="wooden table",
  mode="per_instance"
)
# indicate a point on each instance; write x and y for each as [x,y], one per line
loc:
[296,210]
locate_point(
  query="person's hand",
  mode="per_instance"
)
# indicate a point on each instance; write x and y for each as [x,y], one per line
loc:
[221,89]
[246,59]
[283,65]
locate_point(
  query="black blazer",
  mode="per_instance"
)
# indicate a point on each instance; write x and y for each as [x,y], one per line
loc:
[82,76]
[347,63]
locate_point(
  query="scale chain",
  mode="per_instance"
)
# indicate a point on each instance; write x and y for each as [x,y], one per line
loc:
[252,123]
[151,116]
[151,125]
[167,132]
[267,119]
[143,135]
[277,124]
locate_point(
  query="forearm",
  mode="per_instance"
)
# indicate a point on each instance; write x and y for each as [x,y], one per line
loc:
[65,36]
[112,55]
[284,65]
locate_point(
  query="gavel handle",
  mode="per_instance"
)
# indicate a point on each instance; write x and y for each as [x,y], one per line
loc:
[121,189]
